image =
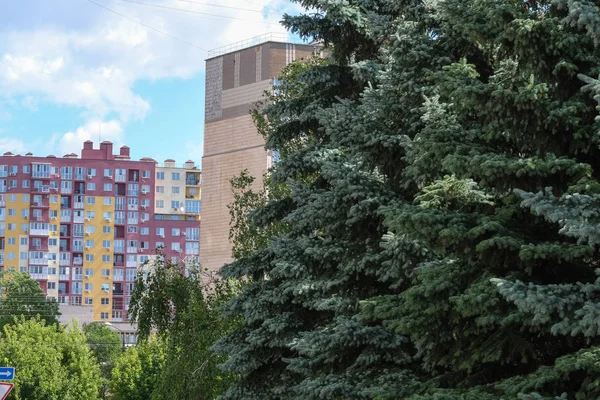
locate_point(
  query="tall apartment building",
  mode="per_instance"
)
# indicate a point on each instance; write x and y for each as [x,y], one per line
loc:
[81,226]
[236,78]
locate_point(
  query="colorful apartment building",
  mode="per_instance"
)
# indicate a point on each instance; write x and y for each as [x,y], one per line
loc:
[82,226]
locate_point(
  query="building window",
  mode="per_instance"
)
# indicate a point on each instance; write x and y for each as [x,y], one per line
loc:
[25,169]
[160,175]
[91,200]
[108,172]
[105,301]
[103,315]
[105,257]
[92,171]
[106,273]
[146,173]
[107,201]
[90,214]
[89,287]
[106,229]
[89,257]
[160,203]
[160,189]
[51,285]
[175,204]
[108,187]
[90,229]
[145,231]
[88,301]
[89,272]
[175,190]
[91,186]
[175,176]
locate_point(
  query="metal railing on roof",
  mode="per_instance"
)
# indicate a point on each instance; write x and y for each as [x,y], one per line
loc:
[242,44]
[192,167]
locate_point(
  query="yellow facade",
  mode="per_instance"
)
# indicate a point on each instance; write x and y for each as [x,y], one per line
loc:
[93,252]
[17,215]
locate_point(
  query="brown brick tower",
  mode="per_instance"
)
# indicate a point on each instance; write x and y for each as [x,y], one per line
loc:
[236,77]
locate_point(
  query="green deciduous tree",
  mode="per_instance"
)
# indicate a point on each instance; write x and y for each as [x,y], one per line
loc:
[439,203]
[137,371]
[182,303]
[106,346]
[51,363]
[22,296]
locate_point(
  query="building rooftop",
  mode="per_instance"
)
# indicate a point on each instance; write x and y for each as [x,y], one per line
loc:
[254,41]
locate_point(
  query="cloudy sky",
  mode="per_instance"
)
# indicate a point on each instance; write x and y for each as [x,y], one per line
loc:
[128,71]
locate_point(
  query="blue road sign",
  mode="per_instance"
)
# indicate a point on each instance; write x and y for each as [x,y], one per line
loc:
[7,373]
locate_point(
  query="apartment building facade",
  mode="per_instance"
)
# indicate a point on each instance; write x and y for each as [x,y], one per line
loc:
[236,78]
[82,226]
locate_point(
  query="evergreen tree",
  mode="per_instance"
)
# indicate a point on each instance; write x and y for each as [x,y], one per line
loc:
[441,234]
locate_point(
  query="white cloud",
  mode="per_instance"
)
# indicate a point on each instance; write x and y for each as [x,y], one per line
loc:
[15,146]
[90,59]
[71,142]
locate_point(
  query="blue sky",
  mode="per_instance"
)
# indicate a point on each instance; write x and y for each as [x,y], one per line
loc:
[71,70]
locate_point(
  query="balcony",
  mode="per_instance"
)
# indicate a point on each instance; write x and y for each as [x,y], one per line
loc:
[192,182]
[118,264]
[78,261]
[78,206]
[64,190]
[63,277]
[78,248]
[41,277]
[120,178]
[38,261]
[64,263]
[117,292]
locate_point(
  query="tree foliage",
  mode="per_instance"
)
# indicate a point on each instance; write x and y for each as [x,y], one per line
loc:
[184,310]
[51,363]
[23,296]
[137,371]
[439,191]
[106,346]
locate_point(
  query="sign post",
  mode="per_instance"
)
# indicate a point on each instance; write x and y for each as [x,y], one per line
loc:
[7,374]
[5,389]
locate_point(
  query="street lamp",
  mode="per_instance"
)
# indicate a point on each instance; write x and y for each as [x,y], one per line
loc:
[122,333]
